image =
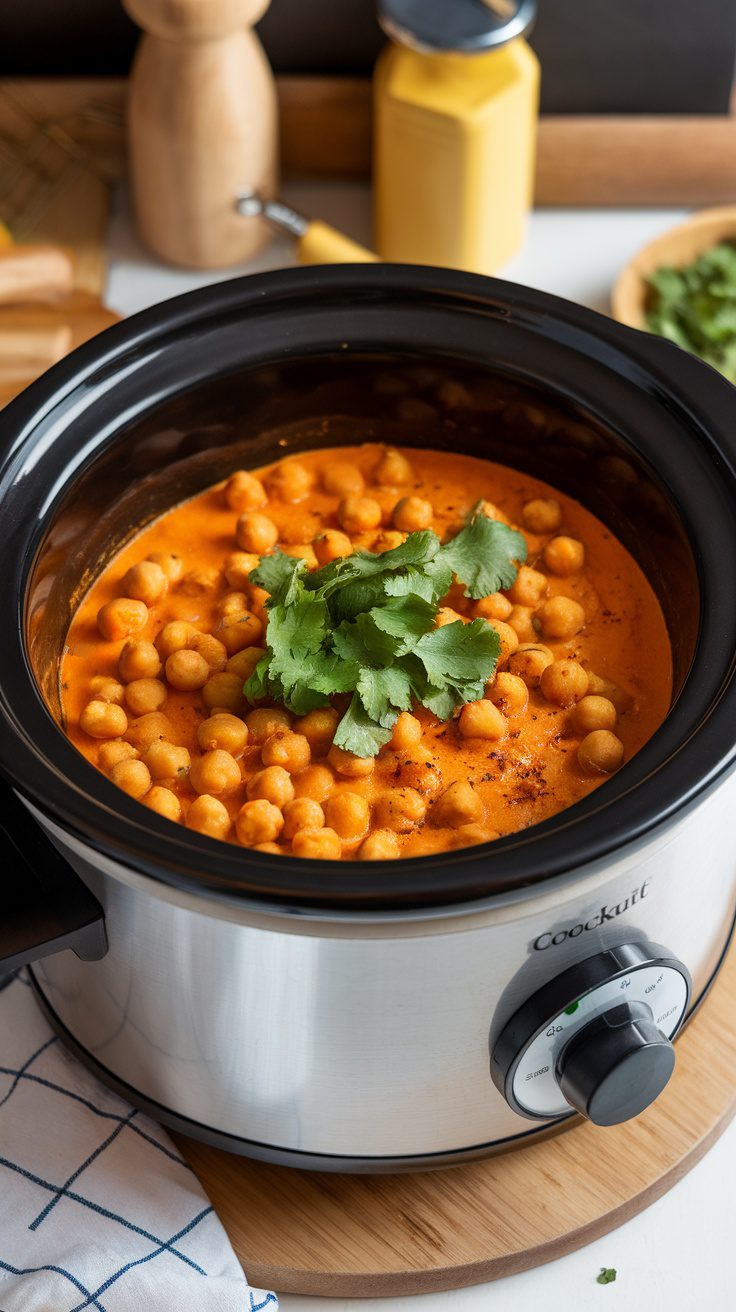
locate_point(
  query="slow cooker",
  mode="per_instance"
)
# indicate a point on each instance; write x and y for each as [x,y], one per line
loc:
[371,1016]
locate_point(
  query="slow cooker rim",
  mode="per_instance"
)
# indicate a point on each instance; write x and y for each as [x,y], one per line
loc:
[122,819]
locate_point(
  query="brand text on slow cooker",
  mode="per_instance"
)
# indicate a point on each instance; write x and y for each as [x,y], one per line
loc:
[549,940]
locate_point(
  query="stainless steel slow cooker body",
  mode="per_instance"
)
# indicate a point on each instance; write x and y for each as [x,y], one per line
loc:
[373,1015]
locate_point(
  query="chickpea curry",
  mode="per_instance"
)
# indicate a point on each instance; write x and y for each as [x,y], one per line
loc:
[367,652]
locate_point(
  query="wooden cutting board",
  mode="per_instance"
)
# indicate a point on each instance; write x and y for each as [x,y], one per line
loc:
[77,317]
[373,1236]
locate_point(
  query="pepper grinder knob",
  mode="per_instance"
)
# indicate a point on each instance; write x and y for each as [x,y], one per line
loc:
[202,127]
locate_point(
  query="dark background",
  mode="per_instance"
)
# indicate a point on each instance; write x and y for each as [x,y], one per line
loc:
[609,56]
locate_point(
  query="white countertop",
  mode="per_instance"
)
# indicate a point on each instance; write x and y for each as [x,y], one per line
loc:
[677,1256]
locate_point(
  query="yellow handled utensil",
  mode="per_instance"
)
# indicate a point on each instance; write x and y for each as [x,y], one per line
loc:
[316,242]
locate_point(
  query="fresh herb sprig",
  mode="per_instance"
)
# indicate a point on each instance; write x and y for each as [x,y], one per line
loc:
[364,624]
[695,306]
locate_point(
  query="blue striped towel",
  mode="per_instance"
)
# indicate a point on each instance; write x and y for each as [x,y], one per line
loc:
[97,1208]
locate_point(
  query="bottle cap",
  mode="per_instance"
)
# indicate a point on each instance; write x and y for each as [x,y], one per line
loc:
[467,26]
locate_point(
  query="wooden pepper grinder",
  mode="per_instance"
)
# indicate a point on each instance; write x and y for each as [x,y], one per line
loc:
[202,127]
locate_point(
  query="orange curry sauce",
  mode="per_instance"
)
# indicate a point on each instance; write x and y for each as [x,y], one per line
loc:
[529,769]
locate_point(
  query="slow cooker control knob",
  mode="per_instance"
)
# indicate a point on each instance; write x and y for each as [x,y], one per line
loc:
[616,1065]
[594,1039]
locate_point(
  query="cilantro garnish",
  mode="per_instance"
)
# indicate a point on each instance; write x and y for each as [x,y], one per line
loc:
[607,1275]
[695,307]
[364,625]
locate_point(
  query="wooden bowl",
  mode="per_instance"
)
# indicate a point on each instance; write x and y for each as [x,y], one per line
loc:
[678,246]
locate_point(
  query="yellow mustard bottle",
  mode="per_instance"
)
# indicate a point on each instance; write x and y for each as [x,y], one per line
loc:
[456,95]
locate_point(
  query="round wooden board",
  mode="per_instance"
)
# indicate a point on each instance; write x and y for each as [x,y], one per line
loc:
[376,1236]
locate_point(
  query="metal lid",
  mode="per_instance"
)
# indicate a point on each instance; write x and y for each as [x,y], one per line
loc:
[467,26]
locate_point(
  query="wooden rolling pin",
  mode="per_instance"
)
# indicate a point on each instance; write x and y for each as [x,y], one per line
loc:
[34,273]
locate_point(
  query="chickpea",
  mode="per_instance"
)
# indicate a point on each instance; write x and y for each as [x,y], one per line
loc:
[273,783]
[163,802]
[174,636]
[288,749]
[244,662]
[417,768]
[187,670]
[607,688]
[493,607]
[600,752]
[215,772]
[198,582]
[564,556]
[348,814]
[509,693]
[394,469]
[381,845]
[256,532]
[238,632]
[301,813]
[213,651]
[593,713]
[388,540]
[273,849]
[107,690]
[521,620]
[529,662]
[208,815]
[132,777]
[224,691]
[318,727]
[316,782]
[402,810]
[121,618]
[103,720]
[349,765]
[542,515]
[472,835]
[458,805]
[239,566]
[302,551]
[564,682]
[144,695]
[561,617]
[244,492]
[223,731]
[331,545]
[171,564]
[507,638]
[482,720]
[146,582]
[412,513]
[111,752]
[358,514]
[454,395]
[343,479]
[233,603]
[265,721]
[528,588]
[258,821]
[317,844]
[407,732]
[167,761]
[446,615]
[290,481]
[147,729]
[139,660]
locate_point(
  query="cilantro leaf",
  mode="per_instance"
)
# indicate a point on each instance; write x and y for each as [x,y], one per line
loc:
[406,618]
[277,574]
[458,653]
[607,1275]
[384,693]
[358,733]
[484,556]
[695,306]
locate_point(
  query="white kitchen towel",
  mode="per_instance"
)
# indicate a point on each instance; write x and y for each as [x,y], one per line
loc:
[97,1208]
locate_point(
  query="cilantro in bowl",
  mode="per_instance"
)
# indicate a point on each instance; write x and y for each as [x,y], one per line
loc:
[695,307]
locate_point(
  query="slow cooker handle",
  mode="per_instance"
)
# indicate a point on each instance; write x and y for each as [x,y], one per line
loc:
[44,905]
